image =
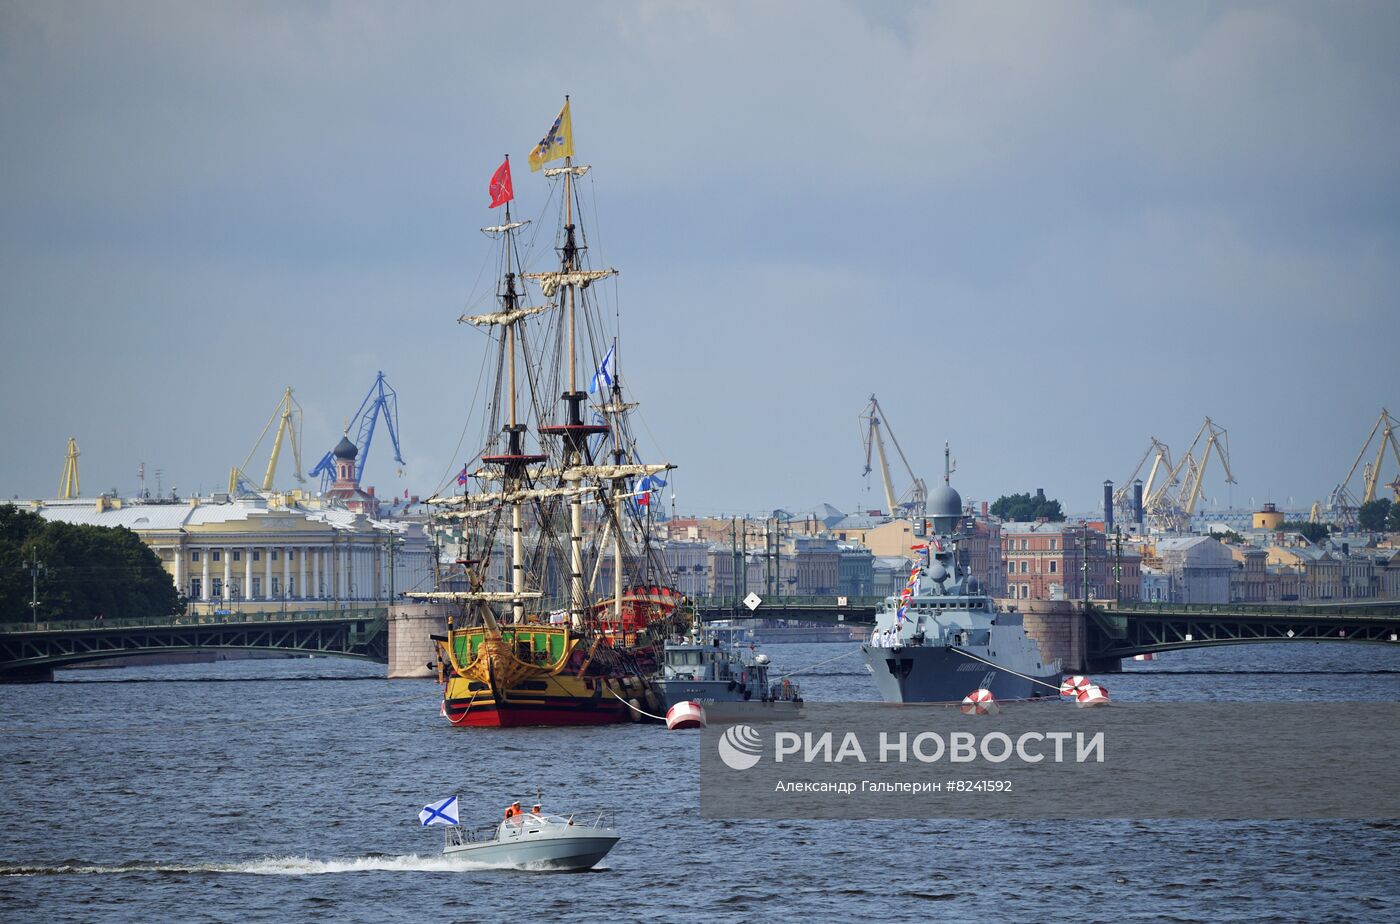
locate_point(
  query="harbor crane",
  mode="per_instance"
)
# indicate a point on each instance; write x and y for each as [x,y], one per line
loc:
[287,416]
[1342,505]
[1161,457]
[917,492]
[1217,440]
[381,400]
[1169,505]
[68,485]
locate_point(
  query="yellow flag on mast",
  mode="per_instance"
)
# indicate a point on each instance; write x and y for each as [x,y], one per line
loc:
[557,143]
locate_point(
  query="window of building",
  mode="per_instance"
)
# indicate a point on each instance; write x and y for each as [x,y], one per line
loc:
[237,556]
[276,585]
[274,554]
[1011,567]
[217,555]
[292,586]
[1025,566]
[1053,563]
[194,556]
[1025,544]
[257,587]
[257,556]
[1025,591]
[196,587]
[291,555]
[1053,544]
[216,585]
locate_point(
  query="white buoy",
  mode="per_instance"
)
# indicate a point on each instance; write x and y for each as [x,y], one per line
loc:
[636,711]
[1072,686]
[980,702]
[1145,657]
[688,714]
[1092,695]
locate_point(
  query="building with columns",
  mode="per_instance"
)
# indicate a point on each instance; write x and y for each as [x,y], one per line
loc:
[247,554]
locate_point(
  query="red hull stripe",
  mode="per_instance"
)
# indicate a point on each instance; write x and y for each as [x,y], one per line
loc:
[480,716]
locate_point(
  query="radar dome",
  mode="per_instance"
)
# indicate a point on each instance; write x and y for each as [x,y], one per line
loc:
[937,572]
[944,502]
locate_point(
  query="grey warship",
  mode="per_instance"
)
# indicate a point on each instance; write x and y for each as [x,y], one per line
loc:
[945,639]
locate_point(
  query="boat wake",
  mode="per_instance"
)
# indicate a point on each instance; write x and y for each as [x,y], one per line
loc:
[267,866]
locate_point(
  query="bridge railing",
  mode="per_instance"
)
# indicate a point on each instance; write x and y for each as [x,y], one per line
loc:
[1358,610]
[195,619]
[770,603]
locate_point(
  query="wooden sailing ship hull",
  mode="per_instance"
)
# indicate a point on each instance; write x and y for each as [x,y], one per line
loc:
[530,674]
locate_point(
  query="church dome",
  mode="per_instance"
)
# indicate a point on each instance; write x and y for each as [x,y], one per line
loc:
[344,449]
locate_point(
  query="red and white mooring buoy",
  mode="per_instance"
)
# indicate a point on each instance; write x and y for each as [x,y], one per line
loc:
[1073,686]
[688,714]
[980,702]
[1092,695]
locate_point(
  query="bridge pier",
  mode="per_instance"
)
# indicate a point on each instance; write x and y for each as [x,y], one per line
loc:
[1058,628]
[411,646]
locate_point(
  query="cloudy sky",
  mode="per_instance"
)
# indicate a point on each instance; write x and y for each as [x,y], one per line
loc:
[1042,231]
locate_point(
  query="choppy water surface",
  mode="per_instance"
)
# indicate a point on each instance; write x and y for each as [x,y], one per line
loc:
[275,790]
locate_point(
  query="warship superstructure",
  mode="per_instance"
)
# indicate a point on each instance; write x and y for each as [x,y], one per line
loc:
[942,638]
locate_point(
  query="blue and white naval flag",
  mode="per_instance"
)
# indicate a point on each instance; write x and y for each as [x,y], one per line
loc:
[604,375]
[439,813]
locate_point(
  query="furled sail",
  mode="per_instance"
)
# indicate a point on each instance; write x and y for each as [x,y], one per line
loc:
[503,317]
[550,282]
[510,497]
[580,472]
[579,170]
[501,229]
[489,596]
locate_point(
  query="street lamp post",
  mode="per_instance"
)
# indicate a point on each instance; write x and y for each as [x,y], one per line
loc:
[36,568]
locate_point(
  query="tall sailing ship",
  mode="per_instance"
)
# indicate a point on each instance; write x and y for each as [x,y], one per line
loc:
[557,490]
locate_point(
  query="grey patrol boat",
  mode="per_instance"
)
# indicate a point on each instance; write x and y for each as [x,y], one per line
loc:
[730,681]
[950,640]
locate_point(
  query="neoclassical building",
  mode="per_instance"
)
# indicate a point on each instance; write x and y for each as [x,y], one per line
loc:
[251,554]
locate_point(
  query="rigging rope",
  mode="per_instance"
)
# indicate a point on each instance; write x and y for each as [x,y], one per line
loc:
[844,654]
[659,718]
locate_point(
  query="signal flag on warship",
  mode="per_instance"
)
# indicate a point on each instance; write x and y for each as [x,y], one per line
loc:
[439,813]
[501,189]
[557,143]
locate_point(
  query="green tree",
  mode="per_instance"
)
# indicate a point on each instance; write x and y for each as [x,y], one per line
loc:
[1026,508]
[1392,522]
[88,570]
[1313,532]
[1374,514]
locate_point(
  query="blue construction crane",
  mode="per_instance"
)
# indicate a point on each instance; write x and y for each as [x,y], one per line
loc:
[381,400]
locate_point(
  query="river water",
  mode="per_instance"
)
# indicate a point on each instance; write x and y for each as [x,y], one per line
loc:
[277,790]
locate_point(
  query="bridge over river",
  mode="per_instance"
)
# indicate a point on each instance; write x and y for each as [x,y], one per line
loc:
[1096,638]
[30,652]
[1099,636]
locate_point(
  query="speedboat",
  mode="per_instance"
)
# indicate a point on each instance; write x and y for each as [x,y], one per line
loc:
[535,840]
